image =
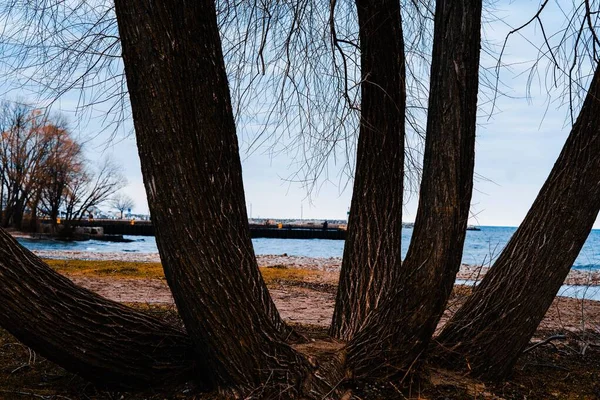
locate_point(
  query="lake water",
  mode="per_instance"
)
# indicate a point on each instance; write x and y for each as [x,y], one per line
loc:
[480,246]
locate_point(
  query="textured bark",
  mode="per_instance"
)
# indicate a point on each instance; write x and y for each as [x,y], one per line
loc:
[100,340]
[192,172]
[399,331]
[372,255]
[499,318]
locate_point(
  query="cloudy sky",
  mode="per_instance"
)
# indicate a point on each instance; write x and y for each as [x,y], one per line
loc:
[516,146]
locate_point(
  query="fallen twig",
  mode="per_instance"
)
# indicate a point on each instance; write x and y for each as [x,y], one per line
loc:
[543,342]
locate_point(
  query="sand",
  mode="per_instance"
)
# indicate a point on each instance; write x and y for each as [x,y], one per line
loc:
[312,301]
[331,264]
[314,304]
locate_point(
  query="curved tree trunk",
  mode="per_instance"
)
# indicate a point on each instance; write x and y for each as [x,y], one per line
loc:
[100,340]
[491,329]
[1,189]
[399,331]
[192,172]
[372,253]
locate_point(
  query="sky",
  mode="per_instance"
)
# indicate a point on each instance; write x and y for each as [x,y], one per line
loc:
[515,150]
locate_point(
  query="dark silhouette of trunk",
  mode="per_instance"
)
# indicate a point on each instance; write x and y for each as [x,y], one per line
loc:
[33,220]
[192,172]
[400,329]
[1,191]
[17,214]
[53,198]
[7,215]
[54,210]
[372,254]
[491,329]
[100,340]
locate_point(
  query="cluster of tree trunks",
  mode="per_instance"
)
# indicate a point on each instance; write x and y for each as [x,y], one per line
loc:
[400,329]
[386,310]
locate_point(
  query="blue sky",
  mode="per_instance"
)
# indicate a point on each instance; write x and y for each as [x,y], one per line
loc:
[515,149]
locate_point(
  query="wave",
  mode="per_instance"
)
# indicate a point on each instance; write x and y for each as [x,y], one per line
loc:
[586,266]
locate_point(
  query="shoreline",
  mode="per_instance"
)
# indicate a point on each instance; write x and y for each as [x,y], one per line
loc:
[467,272]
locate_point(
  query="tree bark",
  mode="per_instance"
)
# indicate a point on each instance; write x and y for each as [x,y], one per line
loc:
[1,188]
[100,340]
[491,329]
[398,332]
[372,253]
[192,172]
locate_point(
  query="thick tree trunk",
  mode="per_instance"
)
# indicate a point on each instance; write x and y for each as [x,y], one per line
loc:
[100,340]
[1,194]
[372,254]
[491,329]
[192,172]
[399,331]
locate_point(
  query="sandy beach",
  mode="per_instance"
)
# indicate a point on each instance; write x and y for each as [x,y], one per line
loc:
[311,301]
[332,264]
[304,291]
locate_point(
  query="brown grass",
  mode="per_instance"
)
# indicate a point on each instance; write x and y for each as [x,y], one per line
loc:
[113,269]
[144,270]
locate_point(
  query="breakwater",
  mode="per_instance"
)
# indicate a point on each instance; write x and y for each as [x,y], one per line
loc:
[271,231]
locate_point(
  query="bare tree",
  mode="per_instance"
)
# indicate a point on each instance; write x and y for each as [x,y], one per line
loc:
[121,202]
[495,324]
[195,209]
[181,106]
[25,148]
[64,163]
[88,189]
[294,71]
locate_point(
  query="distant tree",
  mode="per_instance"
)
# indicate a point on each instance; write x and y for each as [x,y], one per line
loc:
[24,150]
[64,162]
[87,189]
[43,170]
[121,202]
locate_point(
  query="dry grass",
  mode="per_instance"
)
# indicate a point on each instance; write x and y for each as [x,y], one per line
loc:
[144,270]
[112,269]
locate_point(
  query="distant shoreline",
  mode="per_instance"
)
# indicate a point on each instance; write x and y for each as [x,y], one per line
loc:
[467,272]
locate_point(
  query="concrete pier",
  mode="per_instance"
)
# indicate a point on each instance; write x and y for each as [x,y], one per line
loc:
[274,231]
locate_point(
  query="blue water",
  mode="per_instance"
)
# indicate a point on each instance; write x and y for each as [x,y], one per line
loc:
[573,291]
[480,246]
